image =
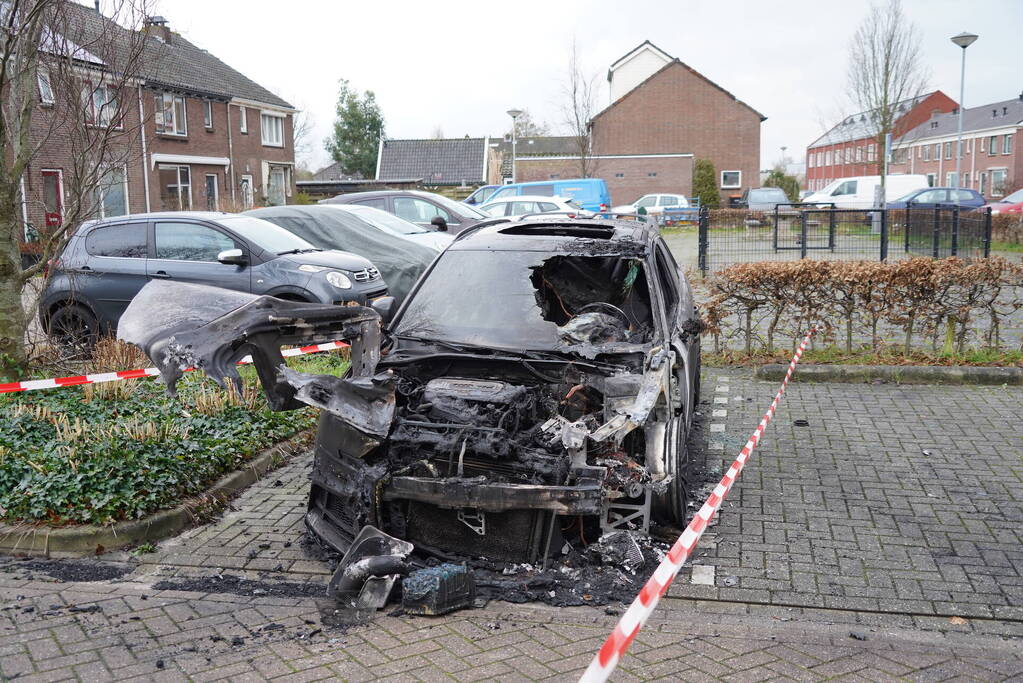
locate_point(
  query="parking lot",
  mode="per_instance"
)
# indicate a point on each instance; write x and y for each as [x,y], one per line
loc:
[882,540]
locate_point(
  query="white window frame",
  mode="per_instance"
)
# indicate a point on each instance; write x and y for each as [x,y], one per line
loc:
[174,131]
[1007,143]
[93,117]
[216,189]
[250,201]
[207,114]
[124,183]
[737,184]
[263,128]
[46,97]
[243,120]
[177,169]
[949,182]
[991,177]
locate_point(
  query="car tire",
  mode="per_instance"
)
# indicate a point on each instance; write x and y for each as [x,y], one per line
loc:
[671,506]
[73,328]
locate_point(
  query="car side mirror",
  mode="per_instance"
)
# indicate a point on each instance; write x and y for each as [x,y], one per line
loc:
[384,306]
[439,223]
[232,257]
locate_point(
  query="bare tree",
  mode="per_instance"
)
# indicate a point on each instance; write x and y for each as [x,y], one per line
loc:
[579,104]
[70,87]
[302,126]
[885,70]
[527,127]
[438,133]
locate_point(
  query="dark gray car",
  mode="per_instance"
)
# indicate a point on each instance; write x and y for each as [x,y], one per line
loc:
[764,199]
[427,209]
[107,262]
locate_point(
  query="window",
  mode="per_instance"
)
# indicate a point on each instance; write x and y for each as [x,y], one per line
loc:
[667,273]
[118,241]
[846,188]
[110,197]
[651,175]
[668,200]
[948,150]
[731,179]
[277,186]
[998,182]
[992,145]
[966,180]
[647,201]
[207,114]
[930,180]
[547,206]
[100,104]
[981,144]
[45,89]
[190,242]
[519,208]
[931,197]
[248,191]
[950,179]
[379,203]
[871,152]
[937,151]
[175,188]
[962,195]
[859,154]
[541,190]
[243,120]
[212,193]
[619,175]
[927,152]
[170,114]
[809,160]
[827,158]
[272,127]
[418,210]
[1007,144]
[53,198]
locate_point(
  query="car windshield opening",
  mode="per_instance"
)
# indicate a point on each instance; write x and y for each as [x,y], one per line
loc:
[529,300]
[463,210]
[266,235]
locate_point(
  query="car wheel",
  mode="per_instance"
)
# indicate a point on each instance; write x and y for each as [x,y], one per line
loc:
[671,506]
[74,329]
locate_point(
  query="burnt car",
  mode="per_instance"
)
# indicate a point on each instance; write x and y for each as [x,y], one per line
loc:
[536,389]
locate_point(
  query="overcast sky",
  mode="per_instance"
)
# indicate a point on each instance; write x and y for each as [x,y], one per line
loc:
[459,66]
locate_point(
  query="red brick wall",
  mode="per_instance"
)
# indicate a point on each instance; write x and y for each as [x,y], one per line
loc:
[249,150]
[679,111]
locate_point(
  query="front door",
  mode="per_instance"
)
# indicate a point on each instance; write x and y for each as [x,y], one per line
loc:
[53,199]
[247,194]
[212,194]
[187,252]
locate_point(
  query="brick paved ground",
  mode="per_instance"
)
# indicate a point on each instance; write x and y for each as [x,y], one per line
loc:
[843,553]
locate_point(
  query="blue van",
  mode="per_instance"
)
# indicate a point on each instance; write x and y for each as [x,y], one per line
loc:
[481,195]
[589,193]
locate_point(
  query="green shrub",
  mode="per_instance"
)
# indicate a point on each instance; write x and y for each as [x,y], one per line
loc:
[788,183]
[705,184]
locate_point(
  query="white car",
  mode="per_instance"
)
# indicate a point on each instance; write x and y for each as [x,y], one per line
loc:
[654,204]
[388,222]
[521,205]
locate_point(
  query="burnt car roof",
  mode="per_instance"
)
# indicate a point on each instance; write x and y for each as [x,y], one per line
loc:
[601,236]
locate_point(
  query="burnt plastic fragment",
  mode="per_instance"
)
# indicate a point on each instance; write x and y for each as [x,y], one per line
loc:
[368,571]
[438,590]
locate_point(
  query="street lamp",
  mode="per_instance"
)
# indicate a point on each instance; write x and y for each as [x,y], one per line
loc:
[514,114]
[963,40]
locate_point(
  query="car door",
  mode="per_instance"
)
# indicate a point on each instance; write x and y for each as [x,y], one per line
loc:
[421,211]
[115,269]
[647,202]
[186,251]
[677,310]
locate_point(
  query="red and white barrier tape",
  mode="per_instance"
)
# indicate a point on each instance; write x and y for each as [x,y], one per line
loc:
[36,384]
[605,661]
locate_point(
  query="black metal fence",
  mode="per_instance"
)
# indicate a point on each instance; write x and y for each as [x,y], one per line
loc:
[814,231]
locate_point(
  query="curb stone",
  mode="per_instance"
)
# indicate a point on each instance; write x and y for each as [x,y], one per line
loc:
[897,374]
[88,540]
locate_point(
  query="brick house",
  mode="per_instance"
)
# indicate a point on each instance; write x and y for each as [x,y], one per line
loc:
[850,148]
[663,115]
[202,135]
[991,162]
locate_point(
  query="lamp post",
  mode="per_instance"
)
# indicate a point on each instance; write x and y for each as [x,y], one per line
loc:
[963,40]
[514,114]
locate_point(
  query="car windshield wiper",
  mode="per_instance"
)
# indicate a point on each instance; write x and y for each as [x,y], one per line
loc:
[440,342]
[298,251]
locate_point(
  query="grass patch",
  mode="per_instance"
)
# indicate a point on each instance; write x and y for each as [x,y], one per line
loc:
[102,453]
[1014,247]
[833,355]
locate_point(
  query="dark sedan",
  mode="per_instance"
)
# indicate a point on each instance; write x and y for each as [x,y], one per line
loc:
[932,197]
[427,209]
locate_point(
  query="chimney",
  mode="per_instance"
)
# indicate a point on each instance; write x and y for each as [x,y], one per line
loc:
[157,26]
[97,7]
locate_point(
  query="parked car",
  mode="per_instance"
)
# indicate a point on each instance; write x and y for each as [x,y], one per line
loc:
[425,209]
[515,207]
[400,227]
[654,204]
[933,197]
[589,193]
[764,199]
[338,227]
[541,374]
[1010,203]
[481,194]
[107,262]
[858,193]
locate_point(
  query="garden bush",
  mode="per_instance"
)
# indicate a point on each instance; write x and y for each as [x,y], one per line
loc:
[108,452]
[945,300]
[1007,227]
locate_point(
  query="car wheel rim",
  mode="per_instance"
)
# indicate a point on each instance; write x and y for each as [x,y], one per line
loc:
[73,333]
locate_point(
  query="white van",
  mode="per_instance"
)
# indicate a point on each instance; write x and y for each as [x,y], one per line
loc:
[858,193]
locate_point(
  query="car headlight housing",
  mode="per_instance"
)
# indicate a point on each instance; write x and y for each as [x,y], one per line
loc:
[339,280]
